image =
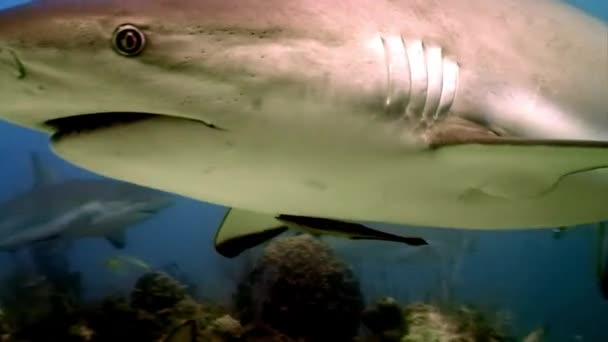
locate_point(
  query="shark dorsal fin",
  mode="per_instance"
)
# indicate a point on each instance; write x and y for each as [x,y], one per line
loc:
[43,175]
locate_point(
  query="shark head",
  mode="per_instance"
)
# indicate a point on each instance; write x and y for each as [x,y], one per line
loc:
[115,205]
[66,58]
[228,62]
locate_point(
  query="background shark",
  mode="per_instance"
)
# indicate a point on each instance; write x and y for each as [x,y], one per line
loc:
[56,209]
[477,114]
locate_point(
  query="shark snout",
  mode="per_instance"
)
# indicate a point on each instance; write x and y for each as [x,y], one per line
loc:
[10,64]
[158,206]
[155,204]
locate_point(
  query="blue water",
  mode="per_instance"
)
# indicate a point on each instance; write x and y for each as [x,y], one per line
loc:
[538,279]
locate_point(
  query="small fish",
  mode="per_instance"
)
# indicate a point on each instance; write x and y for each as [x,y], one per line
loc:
[117,263]
[185,332]
[537,335]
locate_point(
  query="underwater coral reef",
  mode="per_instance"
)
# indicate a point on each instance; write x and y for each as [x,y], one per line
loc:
[296,291]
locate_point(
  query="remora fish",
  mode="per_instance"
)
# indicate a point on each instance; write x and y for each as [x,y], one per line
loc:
[464,113]
[55,210]
[117,263]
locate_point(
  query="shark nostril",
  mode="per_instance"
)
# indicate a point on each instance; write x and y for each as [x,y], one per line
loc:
[9,58]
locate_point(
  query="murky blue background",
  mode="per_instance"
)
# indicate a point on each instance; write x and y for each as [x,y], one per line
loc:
[538,279]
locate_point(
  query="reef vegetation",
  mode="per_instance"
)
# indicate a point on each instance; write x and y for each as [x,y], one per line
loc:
[297,290]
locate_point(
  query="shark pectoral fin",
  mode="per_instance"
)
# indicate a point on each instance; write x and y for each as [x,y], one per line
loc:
[455,130]
[242,229]
[511,167]
[356,231]
[118,239]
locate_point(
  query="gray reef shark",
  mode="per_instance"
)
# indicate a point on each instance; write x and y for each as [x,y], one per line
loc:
[57,210]
[478,114]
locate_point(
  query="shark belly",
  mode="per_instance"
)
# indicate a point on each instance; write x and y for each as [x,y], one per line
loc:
[349,173]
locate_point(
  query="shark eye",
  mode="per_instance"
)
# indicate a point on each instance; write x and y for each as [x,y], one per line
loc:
[128,40]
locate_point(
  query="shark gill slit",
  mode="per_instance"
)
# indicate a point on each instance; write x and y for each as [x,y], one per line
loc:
[421,80]
[82,123]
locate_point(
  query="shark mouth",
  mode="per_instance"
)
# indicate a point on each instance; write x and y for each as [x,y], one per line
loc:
[81,123]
